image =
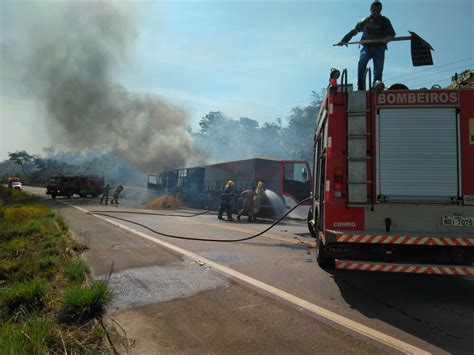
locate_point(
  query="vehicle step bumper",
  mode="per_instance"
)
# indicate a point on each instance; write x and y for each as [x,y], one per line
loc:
[453,270]
[438,239]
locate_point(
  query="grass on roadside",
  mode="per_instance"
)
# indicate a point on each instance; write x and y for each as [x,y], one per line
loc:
[83,303]
[45,304]
[31,336]
[76,271]
[28,295]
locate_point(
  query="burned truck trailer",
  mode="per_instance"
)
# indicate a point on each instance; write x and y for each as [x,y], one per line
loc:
[287,182]
[394,180]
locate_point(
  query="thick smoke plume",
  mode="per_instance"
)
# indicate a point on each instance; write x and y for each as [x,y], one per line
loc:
[70,57]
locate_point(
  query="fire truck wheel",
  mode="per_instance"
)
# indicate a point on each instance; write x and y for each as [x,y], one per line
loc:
[53,196]
[322,258]
[311,228]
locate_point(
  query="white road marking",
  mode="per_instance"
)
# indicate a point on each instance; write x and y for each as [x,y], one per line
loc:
[320,311]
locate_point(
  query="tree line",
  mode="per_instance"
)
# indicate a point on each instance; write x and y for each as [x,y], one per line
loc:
[219,136]
[232,139]
[35,169]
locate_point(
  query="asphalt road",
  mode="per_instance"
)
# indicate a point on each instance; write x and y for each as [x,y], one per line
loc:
[171,302]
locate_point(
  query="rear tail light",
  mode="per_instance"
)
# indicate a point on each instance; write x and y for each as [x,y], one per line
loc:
[338,182]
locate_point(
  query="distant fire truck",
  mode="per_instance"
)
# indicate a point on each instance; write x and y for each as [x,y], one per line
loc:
[69,185]
[394,180]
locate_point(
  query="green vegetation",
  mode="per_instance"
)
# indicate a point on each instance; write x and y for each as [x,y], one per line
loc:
[76,271]
[291,137]
[84,303]
[29,295]
[32,336]
[46,305]
[35,170]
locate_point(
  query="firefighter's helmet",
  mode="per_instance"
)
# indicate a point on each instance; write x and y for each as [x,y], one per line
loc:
[230,183]
[260,184]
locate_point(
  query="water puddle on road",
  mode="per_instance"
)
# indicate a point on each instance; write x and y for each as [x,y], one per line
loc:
[143,286]
[223,258]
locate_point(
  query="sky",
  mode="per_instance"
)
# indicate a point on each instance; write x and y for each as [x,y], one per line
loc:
[254,59]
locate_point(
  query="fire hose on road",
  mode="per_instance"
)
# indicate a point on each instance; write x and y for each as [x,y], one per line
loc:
[102,213]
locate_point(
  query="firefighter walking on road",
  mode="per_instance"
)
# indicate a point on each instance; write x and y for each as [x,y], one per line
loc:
[374,27]
[105,194]
[248,205]
[227,198]
[116,194]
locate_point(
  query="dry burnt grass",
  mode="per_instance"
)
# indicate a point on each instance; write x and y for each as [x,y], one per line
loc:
[46,303]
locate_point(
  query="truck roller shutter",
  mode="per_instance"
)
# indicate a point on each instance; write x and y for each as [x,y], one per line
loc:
[418,153]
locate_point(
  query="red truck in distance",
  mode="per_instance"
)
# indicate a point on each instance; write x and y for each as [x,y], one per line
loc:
[69,185]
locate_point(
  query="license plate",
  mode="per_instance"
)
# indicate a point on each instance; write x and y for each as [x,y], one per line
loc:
[456,221]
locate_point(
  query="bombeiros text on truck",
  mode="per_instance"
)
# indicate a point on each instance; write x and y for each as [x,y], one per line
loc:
[394,180]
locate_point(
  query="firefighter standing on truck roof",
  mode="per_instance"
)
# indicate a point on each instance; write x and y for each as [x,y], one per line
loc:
[375,26]
[225,204]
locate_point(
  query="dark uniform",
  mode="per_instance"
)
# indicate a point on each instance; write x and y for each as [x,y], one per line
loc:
[372,27]
[105,194]
[225,204]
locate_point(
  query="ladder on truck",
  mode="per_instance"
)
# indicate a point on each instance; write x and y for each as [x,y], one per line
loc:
[359,146]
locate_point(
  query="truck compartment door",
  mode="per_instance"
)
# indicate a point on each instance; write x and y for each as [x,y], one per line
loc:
[418,153]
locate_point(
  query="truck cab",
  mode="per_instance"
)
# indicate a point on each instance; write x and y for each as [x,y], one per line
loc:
[61,185]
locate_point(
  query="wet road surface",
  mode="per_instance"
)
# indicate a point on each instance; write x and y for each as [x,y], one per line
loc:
[433,313]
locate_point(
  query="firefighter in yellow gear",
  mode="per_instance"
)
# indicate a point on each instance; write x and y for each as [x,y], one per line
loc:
[116,195]
[257,200]
[248,206]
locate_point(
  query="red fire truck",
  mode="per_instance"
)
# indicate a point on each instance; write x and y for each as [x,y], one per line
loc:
[68,185]
[394,180]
